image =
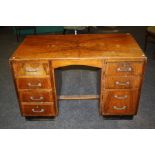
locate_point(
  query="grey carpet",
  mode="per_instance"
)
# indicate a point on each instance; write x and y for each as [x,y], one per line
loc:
[77,113]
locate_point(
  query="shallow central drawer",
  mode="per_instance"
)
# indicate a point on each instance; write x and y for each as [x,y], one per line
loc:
[35,96]
[33,83]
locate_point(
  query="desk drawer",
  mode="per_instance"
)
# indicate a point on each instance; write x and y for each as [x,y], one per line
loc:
[36,96]
[38,110]
[33,83]
[120,102]
[124,68]
[31,69]
[115,82]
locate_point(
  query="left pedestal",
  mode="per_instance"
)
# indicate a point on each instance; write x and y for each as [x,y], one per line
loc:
[35,91]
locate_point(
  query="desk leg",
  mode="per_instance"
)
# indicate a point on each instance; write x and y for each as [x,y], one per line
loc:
[54,92]
[102,76]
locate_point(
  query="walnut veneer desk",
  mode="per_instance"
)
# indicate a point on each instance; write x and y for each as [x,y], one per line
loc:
[118,56]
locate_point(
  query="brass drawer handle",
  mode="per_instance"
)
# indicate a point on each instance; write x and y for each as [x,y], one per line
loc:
[126,69]
[41,110]
[34,85]
[119,108]
[122,83]
[32,69]
[36,99]
[121,97]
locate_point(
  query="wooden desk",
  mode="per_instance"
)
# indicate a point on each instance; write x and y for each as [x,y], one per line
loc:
[118,56]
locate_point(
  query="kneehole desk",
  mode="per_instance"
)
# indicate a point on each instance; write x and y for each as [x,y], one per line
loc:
[119,57]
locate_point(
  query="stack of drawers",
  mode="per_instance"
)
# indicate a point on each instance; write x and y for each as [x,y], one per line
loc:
[35,92]
[121,87]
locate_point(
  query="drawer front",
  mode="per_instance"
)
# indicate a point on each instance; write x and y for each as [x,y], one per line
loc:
[33,83]
[124,68]
[36,96]
[38,110]
[114,82]
[31,68]
[120,102]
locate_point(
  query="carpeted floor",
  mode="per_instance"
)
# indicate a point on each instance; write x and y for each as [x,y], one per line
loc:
[77,113]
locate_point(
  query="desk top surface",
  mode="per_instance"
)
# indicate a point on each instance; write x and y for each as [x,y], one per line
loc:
[78,47]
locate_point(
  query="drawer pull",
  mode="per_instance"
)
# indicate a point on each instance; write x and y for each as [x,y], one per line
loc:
[119,108]
[32,69]
[36,99]
[121,97]
[128,69]
[34,85]
[122,83]
[40,110]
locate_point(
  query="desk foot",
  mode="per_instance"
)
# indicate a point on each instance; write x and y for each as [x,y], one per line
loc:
[118,117]
[39,118]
